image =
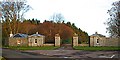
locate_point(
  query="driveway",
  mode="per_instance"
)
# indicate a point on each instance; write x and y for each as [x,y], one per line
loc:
[64,54]
[76,53]
[8,53]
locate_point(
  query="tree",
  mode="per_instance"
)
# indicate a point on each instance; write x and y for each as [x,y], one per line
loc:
[83,36]
[114,20]
[12,13]
[57,17]
[68,23]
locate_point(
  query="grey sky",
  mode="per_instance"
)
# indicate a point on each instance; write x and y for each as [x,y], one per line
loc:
[89,15]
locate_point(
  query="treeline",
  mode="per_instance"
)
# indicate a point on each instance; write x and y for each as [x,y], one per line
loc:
[47,28]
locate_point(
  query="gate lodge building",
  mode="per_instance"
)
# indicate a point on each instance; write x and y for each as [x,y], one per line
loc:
[26,40]
[100,40]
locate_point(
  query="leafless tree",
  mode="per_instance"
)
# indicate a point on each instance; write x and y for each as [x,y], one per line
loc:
[12,13]
[57,17]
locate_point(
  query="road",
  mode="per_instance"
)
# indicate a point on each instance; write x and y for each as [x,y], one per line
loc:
[14,54]
[61,54]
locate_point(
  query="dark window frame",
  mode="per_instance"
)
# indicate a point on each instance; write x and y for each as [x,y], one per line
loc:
[35,40]
[97,41]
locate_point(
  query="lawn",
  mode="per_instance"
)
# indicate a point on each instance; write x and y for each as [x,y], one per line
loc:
[2,58]
[33,48]
[96,48]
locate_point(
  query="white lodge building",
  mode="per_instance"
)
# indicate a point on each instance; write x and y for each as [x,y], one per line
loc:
[26,40]
[100,40]
[36,40]
[31,40]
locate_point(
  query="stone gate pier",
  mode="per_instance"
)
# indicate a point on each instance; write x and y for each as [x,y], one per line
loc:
[75,40]
[57,40]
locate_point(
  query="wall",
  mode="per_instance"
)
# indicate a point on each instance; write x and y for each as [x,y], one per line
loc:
[13,41]
[48,44]
[111,42]
[103,41]
[40,41]
[83,44]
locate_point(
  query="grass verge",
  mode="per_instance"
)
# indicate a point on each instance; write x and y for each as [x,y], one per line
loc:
[2,58]
[99,48]
[32,48]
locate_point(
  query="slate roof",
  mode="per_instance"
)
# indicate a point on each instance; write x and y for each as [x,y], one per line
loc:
[20,35]
[25,35]
[96,34]
[36,35]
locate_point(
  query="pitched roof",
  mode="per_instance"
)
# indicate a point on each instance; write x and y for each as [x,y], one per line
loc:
[96,34]
[36,34]
[20,35]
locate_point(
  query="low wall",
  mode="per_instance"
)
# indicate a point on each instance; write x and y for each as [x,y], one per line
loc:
[13,42]
[83,44]
[112,42]
[48,44]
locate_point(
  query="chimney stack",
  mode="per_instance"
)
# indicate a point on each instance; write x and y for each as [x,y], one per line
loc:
[11,34]
[36,32]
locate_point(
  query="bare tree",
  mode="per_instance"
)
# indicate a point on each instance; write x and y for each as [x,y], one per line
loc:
[57,17]
[12,13]
[114,20]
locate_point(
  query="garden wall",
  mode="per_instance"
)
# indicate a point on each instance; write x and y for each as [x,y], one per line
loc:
[83,44]
[48,44]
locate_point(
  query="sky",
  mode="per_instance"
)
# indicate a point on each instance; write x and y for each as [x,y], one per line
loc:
[89,15]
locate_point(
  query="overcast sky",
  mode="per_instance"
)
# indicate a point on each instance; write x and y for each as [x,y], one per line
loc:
[89,15]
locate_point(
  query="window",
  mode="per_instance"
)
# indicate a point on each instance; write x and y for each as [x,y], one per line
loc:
[18,41]
[97,41]
[35,40]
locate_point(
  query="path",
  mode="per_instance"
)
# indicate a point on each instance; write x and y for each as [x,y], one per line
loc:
[66,47]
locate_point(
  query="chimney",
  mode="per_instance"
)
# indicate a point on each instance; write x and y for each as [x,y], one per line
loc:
[96,33]
[11,34]
[36,32]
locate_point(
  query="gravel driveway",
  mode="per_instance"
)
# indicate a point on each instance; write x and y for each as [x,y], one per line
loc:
[76,53]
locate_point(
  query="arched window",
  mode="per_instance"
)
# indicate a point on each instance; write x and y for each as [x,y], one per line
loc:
[97,41]
[35,40]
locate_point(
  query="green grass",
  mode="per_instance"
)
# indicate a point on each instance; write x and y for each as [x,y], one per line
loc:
[32,48]
[2,58]
[96,48]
